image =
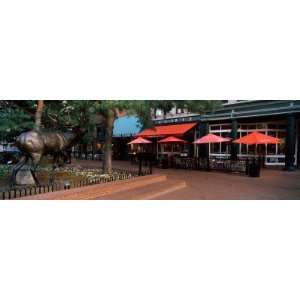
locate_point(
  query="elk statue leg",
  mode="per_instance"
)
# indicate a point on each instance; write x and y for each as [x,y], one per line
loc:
[17,168]
[35,157]
[66,157]
[54,166]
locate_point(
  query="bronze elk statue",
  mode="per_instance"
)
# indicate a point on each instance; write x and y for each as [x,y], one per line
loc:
[35,144]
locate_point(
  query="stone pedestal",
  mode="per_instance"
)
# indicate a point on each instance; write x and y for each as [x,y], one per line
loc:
[24,177]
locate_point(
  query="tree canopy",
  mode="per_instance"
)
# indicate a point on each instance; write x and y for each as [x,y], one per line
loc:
[19,116]
[14,120]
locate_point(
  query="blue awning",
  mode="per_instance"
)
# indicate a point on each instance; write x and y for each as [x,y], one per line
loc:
[126,126]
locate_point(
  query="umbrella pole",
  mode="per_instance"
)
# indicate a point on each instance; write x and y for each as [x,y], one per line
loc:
[208,163]
[140,166]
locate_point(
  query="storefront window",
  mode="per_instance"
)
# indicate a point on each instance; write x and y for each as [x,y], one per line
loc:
[282,126]
[177,148]
[167,148]
[186,148]
[226,127]
[281,147]
[272,133]
[226,134]
[272,151]
[215,148]
[252,127]
[261,150]
[224,148]
[272,126]
[223,130]
[261,126]
[251,149]
[215,127]
[244,149]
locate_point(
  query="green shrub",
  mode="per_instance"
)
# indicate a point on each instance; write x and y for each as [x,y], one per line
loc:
[4,171]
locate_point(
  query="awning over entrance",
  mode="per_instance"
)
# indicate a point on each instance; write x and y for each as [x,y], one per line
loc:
[126,126]
[167,130]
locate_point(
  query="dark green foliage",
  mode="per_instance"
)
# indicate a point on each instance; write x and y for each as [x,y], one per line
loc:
[13,121]
[4,171]
[18,116]
[68,114]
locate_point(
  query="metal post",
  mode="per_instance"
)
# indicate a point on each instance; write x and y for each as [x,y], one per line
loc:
[234,135]
[140,166]
[203,150]
[247,166]
[150,166]
[290,143]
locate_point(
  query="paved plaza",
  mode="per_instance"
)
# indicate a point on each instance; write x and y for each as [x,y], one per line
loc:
[170,184]
[273,184]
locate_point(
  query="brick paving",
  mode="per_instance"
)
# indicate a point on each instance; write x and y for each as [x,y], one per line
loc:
[273,184]
[100,191]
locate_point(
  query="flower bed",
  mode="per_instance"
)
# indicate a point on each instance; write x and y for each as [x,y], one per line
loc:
[64,178]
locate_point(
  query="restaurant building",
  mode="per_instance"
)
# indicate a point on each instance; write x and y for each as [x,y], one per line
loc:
[235,119]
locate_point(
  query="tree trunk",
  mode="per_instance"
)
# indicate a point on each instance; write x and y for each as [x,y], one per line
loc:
[165,113]
[38,114]
[108,142]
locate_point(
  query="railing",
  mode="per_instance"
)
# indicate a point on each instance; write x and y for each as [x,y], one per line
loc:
[223,165]
[18,192]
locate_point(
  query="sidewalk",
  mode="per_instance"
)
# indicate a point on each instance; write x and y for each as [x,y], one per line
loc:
[273,184]
[187,184]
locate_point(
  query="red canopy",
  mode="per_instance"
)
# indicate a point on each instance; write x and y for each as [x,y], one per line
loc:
[168,130]
[172,140]
[211,138]
[140,140]
[256,138]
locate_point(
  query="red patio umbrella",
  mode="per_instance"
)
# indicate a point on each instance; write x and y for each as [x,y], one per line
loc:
[172,140]
[139,140]
[211,138]
[257,138]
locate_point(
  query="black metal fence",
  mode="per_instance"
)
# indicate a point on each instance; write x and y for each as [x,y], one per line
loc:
[223,165]
[118,174]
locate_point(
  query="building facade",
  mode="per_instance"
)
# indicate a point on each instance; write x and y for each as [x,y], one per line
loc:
[278,118]
[235,119]
[175,112]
